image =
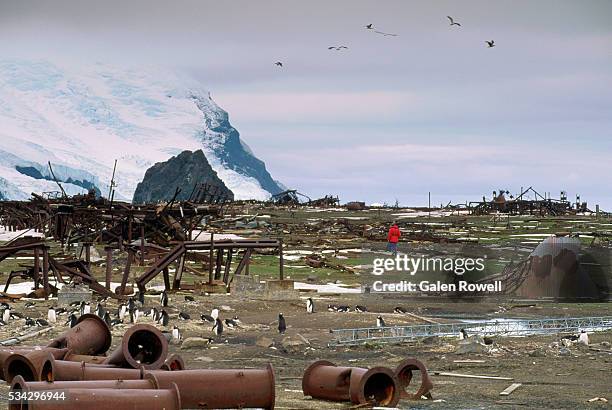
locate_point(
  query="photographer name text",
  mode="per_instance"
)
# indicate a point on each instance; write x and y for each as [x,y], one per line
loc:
[427,286]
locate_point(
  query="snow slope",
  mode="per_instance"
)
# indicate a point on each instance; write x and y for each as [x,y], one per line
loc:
[82,119]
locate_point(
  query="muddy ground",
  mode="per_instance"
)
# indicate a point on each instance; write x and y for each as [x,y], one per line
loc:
[551,378]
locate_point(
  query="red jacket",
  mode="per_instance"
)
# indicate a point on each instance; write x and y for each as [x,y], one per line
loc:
[394,234]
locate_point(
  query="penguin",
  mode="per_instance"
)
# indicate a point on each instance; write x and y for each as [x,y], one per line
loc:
[189,298]
[309,305]
[121,311]
[100,310]
[215,313]
[51,316]
[163,318]
[85,308]
[29,321]
[176,333]
[583,338]
[72,320]
[6,315]
[361,309]
[155,314]
[380,322]
[207,318]
[131,304]
[163,299]
[282,325]
[463,334]
[332,308]
[115,322]
[343,308]
[231,323]
[218,327]
[400,310]
[237,319]
[41,322]
[134,315]
[29,305]
[107,319]
[184,316]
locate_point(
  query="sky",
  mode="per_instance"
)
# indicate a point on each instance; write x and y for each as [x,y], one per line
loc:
[432,109]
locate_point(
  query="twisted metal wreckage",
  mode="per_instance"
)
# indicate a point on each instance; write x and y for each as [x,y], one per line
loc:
[159,235]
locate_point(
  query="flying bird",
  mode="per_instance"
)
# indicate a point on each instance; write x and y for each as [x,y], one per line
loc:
[490,43]
[337,48]
[453,22]
[370,26]
[278,63]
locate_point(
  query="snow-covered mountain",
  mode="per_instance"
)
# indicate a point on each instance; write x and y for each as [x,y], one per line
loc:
[82,119]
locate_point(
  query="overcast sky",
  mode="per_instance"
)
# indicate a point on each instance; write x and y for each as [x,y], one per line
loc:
[393,117]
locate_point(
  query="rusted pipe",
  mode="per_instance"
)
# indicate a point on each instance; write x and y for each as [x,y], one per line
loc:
[6,353]
[377,386]
[36,365]
[403,372]
[69,356]
[173,362]
[116,399]
[324,380]
[222,388]
[90,336]
[142,345]
[20,384]
[74,371]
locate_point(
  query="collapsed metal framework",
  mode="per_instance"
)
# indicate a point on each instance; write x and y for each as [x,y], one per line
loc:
[219,270]
[540,205]
[397,334]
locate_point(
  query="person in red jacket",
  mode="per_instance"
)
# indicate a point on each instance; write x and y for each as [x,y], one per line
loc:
[393,238]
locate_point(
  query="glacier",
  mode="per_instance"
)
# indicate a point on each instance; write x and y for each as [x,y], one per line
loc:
[83,117]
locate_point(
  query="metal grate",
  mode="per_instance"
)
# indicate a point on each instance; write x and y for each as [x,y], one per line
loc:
[507,327]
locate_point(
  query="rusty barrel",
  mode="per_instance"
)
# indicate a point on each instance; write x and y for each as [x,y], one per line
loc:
[90,336]
[116,399]
[222,388]
[377,385]
[403,372]
[35,365]
[324,380]
[142,345]
[74,371]
[174,362]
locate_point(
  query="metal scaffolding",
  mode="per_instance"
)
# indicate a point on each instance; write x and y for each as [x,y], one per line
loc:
[505,327]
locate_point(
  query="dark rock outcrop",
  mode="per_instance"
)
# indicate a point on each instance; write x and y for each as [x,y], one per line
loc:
[185,171]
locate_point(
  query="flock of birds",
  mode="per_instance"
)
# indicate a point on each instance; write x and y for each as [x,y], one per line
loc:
[489,43]
[132,311]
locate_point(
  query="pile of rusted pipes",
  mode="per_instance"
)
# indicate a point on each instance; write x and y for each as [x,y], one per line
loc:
[137,375]
[378,386]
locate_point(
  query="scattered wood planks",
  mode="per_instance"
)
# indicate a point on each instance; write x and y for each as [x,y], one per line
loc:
[471,376]
[510,389]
